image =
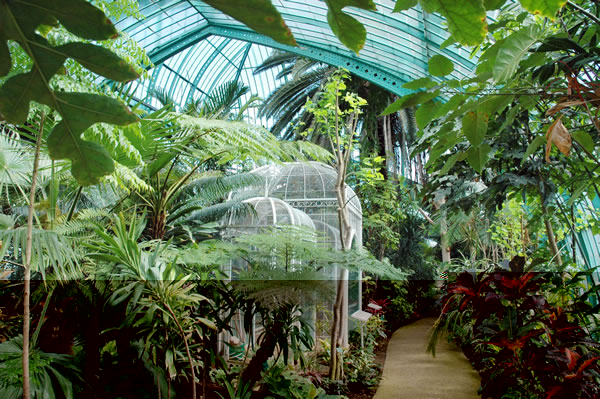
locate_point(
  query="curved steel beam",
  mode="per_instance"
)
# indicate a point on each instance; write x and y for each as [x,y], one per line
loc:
[333,56]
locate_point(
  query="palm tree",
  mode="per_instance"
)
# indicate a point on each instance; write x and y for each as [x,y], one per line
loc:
[303,79]
[391,136]
[224,102]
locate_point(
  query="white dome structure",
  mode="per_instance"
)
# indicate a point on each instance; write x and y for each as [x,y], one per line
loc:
[310,187]
[301,194]
[269,212]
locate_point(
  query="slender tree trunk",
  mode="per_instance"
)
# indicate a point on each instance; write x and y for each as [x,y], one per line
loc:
[27,264]
[335,361]
[551,237]
[444,242]
[390,156]
[338,333]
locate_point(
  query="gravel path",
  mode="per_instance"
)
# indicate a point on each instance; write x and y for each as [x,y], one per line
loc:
[411,373]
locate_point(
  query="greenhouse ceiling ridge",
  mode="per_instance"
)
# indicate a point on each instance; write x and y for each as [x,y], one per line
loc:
[397,48]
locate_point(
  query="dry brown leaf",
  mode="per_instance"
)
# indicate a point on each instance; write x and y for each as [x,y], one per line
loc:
[563,105]
[559,135]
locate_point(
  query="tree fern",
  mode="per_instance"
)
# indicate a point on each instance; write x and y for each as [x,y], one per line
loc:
[227,141]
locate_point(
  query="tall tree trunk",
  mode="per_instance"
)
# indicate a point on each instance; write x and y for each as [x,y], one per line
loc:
[27,265]
[390,156]
[444,241]
[340,316]
[251,373]
[336,370]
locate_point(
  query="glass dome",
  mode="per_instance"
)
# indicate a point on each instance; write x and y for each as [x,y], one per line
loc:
[269,212]
[310,187]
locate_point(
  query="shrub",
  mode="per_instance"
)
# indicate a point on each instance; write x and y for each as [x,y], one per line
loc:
[521,343]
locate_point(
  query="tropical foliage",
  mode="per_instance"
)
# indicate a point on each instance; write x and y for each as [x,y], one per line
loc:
[118,279]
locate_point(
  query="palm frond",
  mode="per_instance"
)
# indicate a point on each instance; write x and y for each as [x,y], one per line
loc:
[302,65]
[304,86]
[253,102]
[213,186]
[15,161]
[221,100]
[163,97]
[52,373]
[277,59]
[49,250]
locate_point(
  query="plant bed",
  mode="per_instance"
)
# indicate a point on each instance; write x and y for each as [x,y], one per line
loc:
[521,343]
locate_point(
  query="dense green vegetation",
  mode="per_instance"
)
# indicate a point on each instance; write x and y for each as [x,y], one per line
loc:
[114,278]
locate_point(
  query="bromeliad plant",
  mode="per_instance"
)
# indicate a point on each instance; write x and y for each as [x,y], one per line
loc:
[527,333]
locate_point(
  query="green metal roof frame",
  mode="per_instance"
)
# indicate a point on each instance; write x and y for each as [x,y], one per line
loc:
[397,48]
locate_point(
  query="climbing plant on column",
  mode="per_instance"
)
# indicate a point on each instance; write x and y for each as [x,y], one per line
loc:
[23,22]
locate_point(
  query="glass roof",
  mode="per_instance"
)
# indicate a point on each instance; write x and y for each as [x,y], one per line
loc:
[195,47]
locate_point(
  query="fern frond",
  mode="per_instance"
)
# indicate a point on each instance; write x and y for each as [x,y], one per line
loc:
[84,222]
[127,180]
[213,186]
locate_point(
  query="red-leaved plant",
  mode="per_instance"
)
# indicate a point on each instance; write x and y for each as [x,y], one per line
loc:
[521,344]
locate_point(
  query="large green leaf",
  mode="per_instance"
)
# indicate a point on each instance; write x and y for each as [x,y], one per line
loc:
[18,22]
[410,100]
[348,29]
[547,8]
[459,156]
[426,113]
[79,17]
[477,157]
[466,19]
[474,126]
[402,5]
[584,139]
[440,65]
[495,104]
[99,60]
[420,83]
[259,15]
[514,48]
[533,146]
[451,105]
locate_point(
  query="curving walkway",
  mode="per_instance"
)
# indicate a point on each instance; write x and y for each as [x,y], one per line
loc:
[411,373]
